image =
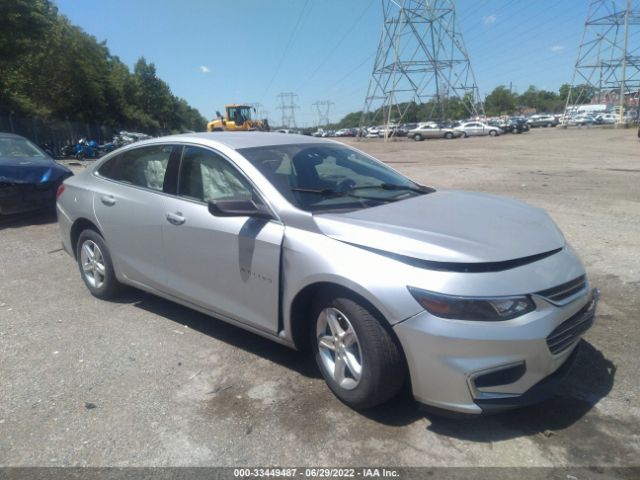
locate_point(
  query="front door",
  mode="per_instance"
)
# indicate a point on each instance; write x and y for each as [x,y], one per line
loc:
[230,265]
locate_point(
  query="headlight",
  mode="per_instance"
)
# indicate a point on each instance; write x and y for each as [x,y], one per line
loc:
[490,309]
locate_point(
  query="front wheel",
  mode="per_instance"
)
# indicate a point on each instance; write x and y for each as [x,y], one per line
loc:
[358,358]
[418,138]
[493,133]
[448,135]
[465,134]
[96,267]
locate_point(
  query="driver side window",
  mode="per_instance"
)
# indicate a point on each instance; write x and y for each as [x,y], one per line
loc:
[205,175]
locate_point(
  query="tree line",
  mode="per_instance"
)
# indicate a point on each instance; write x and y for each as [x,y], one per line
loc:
[52,69]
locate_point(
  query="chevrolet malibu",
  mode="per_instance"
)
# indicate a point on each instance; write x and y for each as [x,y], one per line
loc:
[477,301]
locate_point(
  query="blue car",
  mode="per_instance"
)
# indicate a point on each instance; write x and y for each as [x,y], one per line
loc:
[29,178]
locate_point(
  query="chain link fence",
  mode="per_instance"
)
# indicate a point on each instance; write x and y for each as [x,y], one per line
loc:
[55,134]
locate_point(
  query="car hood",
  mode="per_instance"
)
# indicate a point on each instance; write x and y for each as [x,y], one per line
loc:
[448,226]
[27,170]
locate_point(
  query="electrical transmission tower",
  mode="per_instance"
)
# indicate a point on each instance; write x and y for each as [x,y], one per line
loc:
[288,107]
[323,106]
[607,69]
[421,59]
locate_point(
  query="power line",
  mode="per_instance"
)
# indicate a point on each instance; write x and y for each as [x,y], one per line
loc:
[348,33]
[286,49]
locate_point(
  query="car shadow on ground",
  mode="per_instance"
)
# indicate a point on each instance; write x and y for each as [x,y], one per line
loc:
[300,362]
[590,379]
[19,220]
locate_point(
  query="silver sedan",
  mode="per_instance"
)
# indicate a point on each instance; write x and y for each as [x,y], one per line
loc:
[432,130]
[474,129]
[477,301]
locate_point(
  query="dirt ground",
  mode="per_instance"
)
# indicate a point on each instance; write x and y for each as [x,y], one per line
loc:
[144,382]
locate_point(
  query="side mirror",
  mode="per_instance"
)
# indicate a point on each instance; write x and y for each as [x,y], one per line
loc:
[238,207]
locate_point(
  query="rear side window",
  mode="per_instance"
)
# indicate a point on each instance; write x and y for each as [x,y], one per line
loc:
[143,167]
[205,175]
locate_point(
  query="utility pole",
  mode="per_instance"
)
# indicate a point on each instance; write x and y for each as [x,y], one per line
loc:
[606,62]
[288,107]
[421,59]
[322,107]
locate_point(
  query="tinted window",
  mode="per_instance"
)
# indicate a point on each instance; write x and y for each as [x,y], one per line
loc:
[205,175]
[142,167]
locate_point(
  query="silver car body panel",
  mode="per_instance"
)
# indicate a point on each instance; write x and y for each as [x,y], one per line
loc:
[250,271]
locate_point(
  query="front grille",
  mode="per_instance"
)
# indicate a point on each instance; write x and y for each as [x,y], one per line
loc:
[564,291]
[572,329]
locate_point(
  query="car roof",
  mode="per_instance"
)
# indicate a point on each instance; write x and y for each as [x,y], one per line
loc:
[10,135]
[238,140]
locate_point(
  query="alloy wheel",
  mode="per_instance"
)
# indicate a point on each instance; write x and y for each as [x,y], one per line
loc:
[339,348]
[92,261]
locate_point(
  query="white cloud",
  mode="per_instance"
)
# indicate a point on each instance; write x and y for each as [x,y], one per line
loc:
[204,69]
[557,48]
[490,19]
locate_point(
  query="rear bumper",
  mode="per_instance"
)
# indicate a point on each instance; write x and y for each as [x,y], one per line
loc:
[480,367]
[19,198]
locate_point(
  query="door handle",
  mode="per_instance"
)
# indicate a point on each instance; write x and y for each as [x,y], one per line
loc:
[175,218]
[108,200]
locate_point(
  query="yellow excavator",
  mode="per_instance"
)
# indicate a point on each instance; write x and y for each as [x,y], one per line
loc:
[237,119]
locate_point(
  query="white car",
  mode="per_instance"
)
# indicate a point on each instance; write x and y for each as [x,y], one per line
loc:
[477,129]
[607,118]
[582,119]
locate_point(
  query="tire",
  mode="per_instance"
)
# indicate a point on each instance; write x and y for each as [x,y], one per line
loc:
[493,133]
[371,348]
[92,252]
[465,134]
[448,135]
[418,138]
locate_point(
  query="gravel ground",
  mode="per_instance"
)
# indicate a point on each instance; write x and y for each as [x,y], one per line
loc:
[144,382]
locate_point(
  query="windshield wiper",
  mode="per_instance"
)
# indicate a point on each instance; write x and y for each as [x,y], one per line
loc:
[320,191]
[393,186]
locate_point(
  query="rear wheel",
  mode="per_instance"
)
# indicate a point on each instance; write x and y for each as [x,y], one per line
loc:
[357,357]
[96,267]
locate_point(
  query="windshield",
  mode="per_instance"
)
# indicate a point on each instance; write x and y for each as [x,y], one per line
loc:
[239,115]
[12,147]
[330,177]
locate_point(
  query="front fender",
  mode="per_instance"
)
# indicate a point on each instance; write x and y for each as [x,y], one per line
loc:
[310,258]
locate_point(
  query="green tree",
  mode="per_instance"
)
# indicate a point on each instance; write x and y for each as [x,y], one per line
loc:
[500,102]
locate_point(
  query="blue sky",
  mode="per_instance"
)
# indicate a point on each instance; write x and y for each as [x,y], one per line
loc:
[213,52]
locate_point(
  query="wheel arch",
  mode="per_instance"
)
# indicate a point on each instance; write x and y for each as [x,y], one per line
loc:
[299,320]
[77,228]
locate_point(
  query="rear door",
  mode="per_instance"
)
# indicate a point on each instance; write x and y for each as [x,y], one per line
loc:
[230,265]
[129,206]
[474,129]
